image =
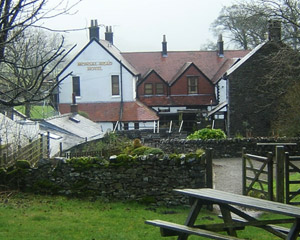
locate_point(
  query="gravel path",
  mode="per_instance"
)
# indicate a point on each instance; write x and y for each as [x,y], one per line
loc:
[228,177]
[228,174]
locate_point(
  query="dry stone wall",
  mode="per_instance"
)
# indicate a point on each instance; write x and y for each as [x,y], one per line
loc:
[148,180]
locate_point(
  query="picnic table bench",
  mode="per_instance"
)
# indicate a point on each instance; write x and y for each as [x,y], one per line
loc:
[228,203]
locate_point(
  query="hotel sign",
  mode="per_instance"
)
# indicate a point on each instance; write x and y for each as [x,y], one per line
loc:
[94,66]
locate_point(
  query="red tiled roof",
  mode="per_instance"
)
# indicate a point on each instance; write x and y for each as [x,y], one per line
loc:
[167,67]
[109,112]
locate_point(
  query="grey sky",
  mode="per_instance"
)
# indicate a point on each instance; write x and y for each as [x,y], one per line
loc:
[139,25]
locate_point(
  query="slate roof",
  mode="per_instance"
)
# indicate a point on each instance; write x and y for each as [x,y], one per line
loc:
[168,67]
[70,130]
[244,59]
[110,111]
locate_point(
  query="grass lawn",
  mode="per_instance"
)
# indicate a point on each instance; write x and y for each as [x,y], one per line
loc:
[38,112]
[26,216]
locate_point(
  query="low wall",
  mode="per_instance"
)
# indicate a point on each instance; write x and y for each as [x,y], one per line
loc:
[228,147]
[225,148]
[148,180]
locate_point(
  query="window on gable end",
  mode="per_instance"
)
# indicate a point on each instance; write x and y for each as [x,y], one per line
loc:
[115,89]
[192,84]
[148,89]
[76,85]
[159,88]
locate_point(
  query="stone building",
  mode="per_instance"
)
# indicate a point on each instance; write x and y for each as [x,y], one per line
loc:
[255,85]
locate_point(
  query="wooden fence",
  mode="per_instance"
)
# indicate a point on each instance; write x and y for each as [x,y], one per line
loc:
[258,175]
[33,152]
[291,168]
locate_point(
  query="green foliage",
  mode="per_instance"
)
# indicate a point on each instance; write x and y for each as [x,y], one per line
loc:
[37,111]
[23,164]
[111,144]
[147,200]
[84,114]
[140,151]
[154,151]
[207,133]
[83,163]
[123,159]
[200,152]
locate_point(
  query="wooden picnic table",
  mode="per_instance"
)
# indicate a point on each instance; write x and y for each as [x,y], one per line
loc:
[229,203]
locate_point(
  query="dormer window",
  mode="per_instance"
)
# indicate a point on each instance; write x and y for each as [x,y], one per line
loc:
[148,89]
[192,84]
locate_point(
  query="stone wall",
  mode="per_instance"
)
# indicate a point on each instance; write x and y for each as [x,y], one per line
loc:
[148,180]
[227,148]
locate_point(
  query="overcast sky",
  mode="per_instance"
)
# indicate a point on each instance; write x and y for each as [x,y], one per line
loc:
[139,25]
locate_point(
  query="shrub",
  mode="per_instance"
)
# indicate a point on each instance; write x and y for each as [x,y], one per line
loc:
[207,133]
[83,163]
[23,164]
[154,151]
[140,151]
[123,159]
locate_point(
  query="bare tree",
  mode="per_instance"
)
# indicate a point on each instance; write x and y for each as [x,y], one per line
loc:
[245,27]
[22,76]
[246,21]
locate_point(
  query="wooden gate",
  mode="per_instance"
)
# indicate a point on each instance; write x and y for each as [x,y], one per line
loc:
[258,175]
[291,168]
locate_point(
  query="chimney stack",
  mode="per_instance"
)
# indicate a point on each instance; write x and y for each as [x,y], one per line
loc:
[220,46]
[94,30]
[274,30]
[109,36]
[164,47]
[74,106]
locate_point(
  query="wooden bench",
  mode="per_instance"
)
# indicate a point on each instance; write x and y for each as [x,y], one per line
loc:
[177,230]
[276,227]
[229,203]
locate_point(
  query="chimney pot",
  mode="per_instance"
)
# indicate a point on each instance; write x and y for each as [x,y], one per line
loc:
[109,36]
[164,47]
[220,46]
[94,30]
[274,28]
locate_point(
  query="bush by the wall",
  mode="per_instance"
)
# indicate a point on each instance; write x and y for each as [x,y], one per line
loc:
[207,133]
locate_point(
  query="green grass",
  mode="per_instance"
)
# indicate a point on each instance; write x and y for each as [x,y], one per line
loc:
[25,216]
[38,112]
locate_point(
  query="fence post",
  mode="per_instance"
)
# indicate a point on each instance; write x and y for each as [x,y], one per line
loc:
[209,168]
[60,149]
[244,181]
[280,173]
[1,157]
[287,178]
[41,147]
[48,145]
[270,176]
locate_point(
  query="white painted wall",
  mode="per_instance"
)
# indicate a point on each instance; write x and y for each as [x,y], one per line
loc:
[95,80]
[222,85]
